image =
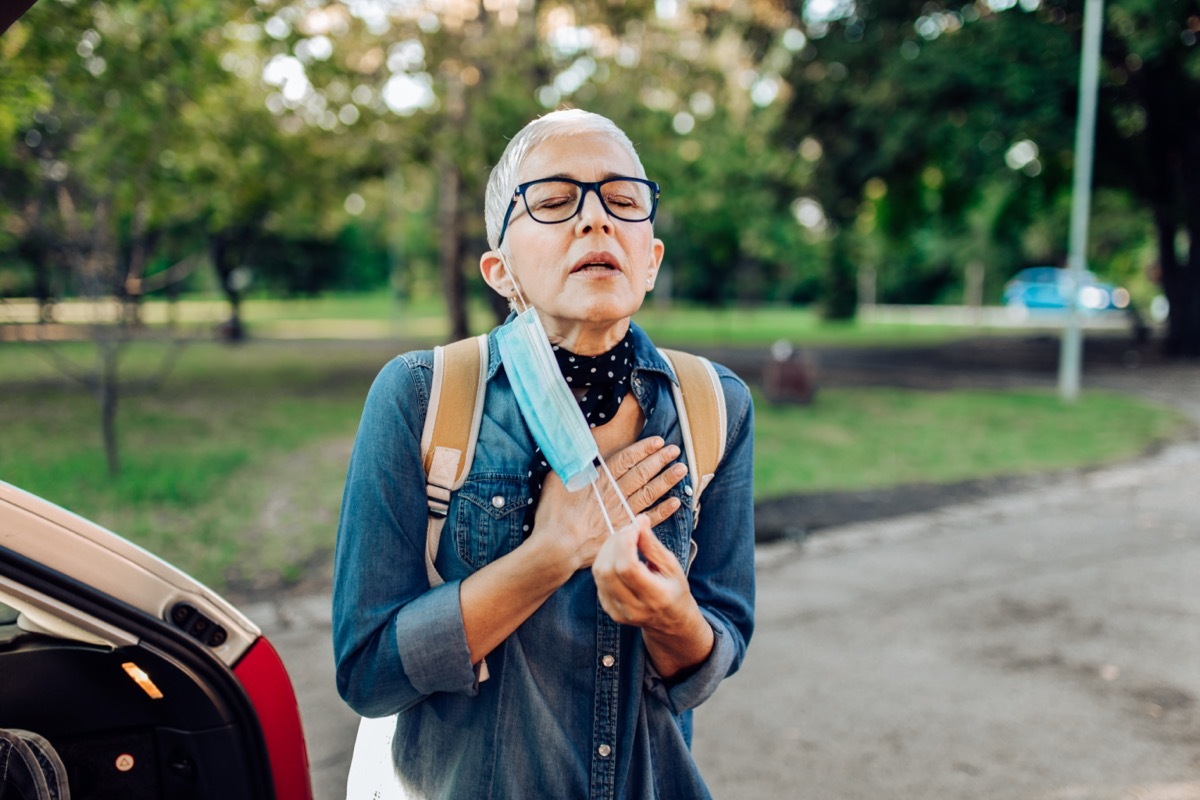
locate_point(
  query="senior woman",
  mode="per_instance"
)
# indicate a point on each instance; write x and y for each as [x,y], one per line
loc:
[598,645]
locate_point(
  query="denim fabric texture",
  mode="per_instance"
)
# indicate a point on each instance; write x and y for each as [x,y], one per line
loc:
[573,708]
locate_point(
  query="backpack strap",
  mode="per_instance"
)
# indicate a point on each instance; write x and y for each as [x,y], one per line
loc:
[700,403]
[447,449]
[451,431]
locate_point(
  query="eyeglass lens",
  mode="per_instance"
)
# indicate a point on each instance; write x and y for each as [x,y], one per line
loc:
[556,201]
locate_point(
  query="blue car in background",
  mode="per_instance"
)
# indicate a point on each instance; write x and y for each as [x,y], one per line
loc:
[1046,288]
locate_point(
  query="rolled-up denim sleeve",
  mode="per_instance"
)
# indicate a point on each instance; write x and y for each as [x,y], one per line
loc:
[395,639]
[722,574]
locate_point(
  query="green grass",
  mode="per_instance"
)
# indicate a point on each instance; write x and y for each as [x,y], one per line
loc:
[871,438]
[763,325]
[233,469]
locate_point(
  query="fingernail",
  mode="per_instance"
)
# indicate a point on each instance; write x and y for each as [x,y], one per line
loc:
[657,442]
[679,469]
[673,451]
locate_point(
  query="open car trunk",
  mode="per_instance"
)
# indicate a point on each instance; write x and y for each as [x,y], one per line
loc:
[145,682]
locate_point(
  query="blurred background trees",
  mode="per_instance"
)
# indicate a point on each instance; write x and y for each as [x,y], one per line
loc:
[916,150]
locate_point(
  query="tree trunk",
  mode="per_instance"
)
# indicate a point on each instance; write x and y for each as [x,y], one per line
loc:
[108,394]
[450,227]
[1182,287]
[1181,279]
[450,248]
[841,298]
[1171,182]
[33,247]
[43,291]
[1190,335]
[130,290]
[225,261]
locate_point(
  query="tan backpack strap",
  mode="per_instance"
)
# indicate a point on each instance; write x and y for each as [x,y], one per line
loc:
[700,403]
[451,431]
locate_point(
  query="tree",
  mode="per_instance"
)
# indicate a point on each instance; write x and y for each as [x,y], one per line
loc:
[96,178]
[448,84]
[949,111]
[913,109]
[1150,141]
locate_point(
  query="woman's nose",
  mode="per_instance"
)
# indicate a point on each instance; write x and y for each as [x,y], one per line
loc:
[593,216]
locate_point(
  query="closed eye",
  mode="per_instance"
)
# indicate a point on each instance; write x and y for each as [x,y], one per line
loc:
[552,203]
[622,201]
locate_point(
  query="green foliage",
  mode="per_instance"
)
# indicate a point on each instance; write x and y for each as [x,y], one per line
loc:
[275,131]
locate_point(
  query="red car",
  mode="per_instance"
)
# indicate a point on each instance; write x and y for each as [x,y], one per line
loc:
[143,681]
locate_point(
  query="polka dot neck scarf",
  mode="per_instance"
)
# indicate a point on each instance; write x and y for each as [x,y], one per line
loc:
[605,380]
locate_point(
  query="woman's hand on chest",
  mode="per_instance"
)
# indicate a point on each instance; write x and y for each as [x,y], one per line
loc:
[644,471]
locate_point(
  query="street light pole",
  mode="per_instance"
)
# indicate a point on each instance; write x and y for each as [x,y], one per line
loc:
[1070,357]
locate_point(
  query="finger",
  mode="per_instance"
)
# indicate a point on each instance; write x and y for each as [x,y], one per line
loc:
[616,557]
[647,469]
[658,556]
[629,457]
[614,502]
[602,565]
[627,562]
[625,543]
[661,512]
[661,483]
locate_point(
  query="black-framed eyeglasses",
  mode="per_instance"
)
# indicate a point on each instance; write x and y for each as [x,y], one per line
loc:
[553,200]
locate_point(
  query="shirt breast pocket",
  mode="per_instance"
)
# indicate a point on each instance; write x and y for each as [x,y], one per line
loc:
[488,513]
[676,530]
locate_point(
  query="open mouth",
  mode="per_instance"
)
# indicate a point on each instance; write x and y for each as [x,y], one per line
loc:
[596,262]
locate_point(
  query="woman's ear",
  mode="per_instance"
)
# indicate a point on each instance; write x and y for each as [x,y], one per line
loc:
[494,268]
[657,249]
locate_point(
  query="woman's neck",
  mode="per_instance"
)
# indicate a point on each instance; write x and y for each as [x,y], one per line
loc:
[590,340]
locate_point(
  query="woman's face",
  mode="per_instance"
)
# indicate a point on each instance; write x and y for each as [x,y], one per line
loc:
[592,271]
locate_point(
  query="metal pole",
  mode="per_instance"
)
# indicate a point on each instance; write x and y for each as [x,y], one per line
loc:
[1069,362]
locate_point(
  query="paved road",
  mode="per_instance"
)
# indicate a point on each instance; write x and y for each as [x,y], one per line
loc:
[1034,646]
[1039,646]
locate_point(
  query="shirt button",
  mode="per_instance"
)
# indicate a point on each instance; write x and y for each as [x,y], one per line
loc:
[498,502]
[604,750]
[686,490]
[608,661]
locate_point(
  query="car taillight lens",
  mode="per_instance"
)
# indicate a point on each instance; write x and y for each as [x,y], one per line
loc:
[263,676]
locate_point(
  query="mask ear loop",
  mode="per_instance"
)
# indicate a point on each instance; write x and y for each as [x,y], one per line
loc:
[617,489]
[603,507]
[522,301]
[600,500]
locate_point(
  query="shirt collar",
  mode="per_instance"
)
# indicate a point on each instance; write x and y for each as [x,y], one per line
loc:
[648,357]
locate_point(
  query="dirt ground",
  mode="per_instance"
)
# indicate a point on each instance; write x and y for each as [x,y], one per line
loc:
[994,363]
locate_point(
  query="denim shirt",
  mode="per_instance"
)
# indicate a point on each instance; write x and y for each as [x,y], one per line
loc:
[573,708]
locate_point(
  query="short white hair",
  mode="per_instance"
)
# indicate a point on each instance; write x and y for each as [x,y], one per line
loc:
[557,124]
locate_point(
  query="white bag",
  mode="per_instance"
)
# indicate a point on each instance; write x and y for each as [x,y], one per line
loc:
[372,771]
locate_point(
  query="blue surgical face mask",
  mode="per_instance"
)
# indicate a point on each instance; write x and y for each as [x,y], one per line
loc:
[548,407]
[546,403]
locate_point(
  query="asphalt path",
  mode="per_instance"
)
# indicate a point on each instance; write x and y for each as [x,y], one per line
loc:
[1034,646]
